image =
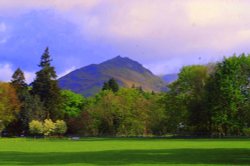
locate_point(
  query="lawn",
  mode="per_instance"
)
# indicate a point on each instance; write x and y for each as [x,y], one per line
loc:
[121,151]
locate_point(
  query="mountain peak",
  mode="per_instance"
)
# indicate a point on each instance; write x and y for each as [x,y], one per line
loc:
[124,62]
[89,80]
[119,58]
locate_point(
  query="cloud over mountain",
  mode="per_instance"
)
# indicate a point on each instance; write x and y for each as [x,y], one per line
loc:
[163,35]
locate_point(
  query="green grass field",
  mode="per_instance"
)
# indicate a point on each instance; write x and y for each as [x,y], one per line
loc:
[121,151]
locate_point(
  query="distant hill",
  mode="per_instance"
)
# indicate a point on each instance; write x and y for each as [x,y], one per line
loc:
[89,80]
[169,78]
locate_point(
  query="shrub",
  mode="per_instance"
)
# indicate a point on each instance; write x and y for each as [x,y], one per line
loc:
[49,127]
[36,127]
[60,127]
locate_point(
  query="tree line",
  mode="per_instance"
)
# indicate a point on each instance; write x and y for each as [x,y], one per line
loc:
[206,100]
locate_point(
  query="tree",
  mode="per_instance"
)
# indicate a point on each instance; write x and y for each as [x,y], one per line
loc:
[228,95]
[111,85]
[18,82]
[157,115]
[105,86]
[124,113]
[46,87]
[34,108]
[24,116]
[72,103]
[9,104]
[185,100]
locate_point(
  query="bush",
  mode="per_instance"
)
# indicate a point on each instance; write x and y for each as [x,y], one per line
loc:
[49,127]
[60,127]
[246,131]
[36,127]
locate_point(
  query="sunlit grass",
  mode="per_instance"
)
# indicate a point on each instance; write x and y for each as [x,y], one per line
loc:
[121,151]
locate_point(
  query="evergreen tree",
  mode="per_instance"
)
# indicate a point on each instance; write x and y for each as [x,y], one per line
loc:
[22,120]
[31,107]
[111,85]
[105,86]
[46,87]
[18,81]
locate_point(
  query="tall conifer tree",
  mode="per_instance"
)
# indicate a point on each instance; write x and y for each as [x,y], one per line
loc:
[46,87]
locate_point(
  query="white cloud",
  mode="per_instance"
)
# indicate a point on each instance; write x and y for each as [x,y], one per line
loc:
[5,72]
[66,72]
[191,23]
[163,29]
[218,12]
[29,76]
[164,25]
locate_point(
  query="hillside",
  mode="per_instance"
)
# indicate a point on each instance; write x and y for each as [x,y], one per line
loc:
[169,78]
[89,80]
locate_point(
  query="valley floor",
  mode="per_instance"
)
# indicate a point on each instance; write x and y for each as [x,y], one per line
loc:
[124,151]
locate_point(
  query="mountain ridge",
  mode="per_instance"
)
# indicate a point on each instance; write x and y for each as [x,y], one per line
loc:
[169,78]
[89,80]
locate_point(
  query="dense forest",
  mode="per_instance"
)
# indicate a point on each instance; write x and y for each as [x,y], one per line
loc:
[206,100]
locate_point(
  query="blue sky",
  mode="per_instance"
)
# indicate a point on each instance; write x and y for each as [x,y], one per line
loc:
[163,35]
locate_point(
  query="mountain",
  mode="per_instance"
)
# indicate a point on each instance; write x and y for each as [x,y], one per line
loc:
[169,78]
[89,80]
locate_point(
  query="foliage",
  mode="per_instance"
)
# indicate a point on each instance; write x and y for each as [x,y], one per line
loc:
[49,127]
[111,85]
[27,103]
[72,103]
[185,101]
[9,104]
[36,127]
[211,99]
[228,95]
[18,82]
[60,127]
[45,86]
[125,112]
[81,125]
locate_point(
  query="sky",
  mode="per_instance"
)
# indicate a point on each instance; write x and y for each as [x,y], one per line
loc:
[163,35]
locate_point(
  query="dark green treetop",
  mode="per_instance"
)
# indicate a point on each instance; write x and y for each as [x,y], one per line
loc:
[18,80]
[111,85]
[46,87]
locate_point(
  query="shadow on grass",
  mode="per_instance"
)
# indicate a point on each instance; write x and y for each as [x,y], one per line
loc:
[123,157]
[98,139]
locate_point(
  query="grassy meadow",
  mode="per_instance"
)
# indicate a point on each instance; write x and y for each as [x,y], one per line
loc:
[124,151]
